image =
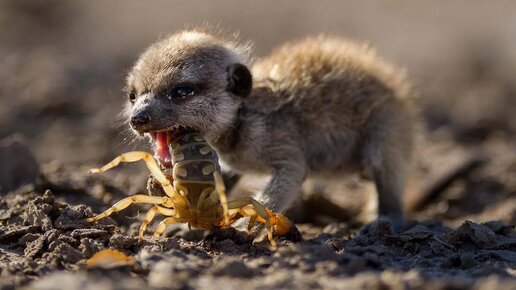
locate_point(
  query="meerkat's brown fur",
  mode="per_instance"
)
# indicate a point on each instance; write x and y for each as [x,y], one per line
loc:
[323,106]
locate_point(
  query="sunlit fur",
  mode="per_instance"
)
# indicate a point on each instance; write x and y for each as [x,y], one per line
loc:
[322,106]
[190,57]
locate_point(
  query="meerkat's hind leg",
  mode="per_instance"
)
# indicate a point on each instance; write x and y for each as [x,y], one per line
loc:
[390,197]
[124,203]
[388,156]
[389,187]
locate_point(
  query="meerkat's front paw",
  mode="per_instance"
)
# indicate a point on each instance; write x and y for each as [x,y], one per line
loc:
[397,221]
[384,225]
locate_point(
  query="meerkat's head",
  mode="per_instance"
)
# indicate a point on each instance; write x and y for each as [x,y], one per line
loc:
[190,81]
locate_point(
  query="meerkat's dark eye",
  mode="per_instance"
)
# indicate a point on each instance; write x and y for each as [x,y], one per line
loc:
[132,97]
[181,92]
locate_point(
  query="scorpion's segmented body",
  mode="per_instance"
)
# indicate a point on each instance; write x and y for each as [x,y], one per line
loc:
[193,190]
[194,164]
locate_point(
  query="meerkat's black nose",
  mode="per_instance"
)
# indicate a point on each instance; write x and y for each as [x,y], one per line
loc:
[139,120]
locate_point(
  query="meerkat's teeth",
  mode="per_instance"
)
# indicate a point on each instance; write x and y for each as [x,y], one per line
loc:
[169,137]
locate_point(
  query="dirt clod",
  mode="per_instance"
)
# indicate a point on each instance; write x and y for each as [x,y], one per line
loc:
[480,235]
[73,217]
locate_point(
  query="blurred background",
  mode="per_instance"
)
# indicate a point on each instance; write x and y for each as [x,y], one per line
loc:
[63,64]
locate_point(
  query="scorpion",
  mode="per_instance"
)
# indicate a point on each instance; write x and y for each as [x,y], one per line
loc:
[194,191]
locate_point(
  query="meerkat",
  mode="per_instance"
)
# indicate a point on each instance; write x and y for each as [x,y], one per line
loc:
[322,106]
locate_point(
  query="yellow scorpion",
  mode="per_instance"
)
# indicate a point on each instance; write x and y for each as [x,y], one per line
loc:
[194,192]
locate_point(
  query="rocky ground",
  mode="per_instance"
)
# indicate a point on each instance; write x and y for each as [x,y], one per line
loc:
[45,243]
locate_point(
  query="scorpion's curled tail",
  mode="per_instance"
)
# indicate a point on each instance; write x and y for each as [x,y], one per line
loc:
[281,223]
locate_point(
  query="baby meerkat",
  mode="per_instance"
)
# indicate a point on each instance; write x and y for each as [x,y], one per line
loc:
[322,106]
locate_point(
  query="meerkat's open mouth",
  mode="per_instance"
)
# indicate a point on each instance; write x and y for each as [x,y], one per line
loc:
[162,141]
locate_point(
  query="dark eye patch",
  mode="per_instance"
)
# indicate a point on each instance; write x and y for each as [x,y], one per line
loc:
[132,96]
[182,92]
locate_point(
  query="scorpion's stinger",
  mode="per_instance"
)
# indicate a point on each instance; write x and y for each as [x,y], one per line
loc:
[221,190]
[260,214]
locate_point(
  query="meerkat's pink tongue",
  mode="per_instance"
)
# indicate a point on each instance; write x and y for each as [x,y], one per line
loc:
[162,150]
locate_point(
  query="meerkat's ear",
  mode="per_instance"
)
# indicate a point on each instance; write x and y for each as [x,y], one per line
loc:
[240,80]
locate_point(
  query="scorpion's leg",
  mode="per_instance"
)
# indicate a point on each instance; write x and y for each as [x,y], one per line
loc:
[258,211]
[221,190]
[151,214]
[149,161]
[163,224]
[138,198]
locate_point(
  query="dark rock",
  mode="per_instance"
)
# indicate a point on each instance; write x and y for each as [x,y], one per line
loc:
[480,235]
[380,228]
[499,227]
[46,198]
[37,217]
[122,241]
[73,217]
[467,260]
[29,238]
[14,234]
[90,246]
[65,253]
[506,255]
[336,244]
[89,233]
[33,248]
